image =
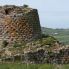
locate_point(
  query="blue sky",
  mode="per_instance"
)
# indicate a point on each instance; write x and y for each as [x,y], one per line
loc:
[52,13]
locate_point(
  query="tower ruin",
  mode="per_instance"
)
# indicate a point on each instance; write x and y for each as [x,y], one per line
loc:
[19,23]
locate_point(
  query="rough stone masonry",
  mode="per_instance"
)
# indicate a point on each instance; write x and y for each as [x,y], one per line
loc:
[19,23]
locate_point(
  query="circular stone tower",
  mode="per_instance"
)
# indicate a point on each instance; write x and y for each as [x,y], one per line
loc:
[19,23]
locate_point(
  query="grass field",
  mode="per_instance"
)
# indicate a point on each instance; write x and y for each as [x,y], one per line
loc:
[63,38]
[32,66]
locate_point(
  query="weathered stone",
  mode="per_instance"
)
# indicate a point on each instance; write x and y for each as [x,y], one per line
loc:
[19,24]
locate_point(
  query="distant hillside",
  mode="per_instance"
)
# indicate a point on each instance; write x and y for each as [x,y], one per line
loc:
[61,34]
[51,31]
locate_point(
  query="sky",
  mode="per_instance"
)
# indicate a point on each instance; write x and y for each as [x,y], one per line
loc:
[52,13]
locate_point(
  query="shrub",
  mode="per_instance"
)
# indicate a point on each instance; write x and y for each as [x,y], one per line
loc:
[16,44]
[49,41]
[44,36]
[25,6]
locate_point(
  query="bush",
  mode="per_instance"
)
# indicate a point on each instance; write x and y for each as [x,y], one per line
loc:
[44,36]
[25,6]
[16,44]
[49,41]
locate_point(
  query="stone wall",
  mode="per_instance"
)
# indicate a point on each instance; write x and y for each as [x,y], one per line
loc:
[18,23]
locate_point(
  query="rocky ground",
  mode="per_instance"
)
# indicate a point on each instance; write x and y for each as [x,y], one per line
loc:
[45,50]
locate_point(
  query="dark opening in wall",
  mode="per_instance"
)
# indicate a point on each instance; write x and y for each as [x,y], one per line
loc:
[6,11]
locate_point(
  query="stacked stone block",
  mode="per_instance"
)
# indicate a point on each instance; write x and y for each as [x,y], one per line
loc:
[19,24]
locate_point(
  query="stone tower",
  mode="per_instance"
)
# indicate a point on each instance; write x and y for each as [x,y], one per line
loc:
[19,23]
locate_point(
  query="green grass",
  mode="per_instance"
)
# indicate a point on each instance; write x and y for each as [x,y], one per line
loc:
[63,38]
[66,67]
[30,66]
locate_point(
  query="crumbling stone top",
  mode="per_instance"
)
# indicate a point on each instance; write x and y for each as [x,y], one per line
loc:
[12,9]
